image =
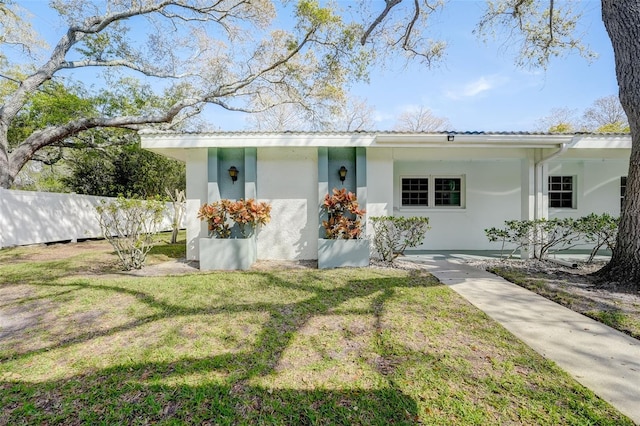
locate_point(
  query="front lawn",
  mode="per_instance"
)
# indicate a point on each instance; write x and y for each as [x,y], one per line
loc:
[79,345]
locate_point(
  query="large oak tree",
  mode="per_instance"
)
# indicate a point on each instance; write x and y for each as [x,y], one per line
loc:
[193,53]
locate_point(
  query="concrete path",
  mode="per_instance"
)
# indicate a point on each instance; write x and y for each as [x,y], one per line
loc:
[599,357]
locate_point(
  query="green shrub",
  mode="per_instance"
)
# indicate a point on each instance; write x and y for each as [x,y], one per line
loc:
[545,235]
[515,232]
[599,230]
[392,235]
[541,234]
[129,225]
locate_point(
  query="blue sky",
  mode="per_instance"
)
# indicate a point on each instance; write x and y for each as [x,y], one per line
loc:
[477,86]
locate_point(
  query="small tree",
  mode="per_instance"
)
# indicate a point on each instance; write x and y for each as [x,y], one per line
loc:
[129,225]
[178,200]
[392,235]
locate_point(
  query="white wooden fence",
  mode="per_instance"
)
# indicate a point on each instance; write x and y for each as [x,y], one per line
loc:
[28,217]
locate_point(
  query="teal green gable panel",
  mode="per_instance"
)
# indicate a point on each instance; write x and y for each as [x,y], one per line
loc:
[228,157]
[323,165]
[361,167]
[212,165]
[339,157]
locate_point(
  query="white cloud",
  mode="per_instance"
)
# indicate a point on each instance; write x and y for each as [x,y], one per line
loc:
[476,87]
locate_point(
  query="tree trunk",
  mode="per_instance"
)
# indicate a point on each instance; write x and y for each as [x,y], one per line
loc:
[622,21]
[6,178]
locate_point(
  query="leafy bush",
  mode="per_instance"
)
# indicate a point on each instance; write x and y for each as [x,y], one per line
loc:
[599,230]
[392,235]
[515,232]
[542,234]
[129,225]
[217,216]
[249,214]
[344,216]
[223,215]
[557,234]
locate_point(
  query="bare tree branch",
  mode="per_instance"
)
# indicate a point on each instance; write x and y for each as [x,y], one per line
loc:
[389,4]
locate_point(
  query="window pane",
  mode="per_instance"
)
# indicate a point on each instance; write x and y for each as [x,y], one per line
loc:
[415,191]
[561,191]
[447,191]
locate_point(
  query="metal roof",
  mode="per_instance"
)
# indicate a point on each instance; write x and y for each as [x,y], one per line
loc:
[378,132]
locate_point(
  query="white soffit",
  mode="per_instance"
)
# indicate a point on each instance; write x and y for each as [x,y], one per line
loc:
[172,140]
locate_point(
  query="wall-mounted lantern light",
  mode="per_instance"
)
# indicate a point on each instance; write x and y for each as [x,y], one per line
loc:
[233,172]
[450,138]
[343,173]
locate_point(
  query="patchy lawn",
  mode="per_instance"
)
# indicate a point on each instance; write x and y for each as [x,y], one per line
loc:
[577,290]
[81,343]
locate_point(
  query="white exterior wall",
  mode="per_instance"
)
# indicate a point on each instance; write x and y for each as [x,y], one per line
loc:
[505,178]
[288,179]
[379,184]
[197,195]
[597,185]
[492,194]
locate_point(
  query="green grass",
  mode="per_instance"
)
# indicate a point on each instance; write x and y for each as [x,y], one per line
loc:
[163,249]
[347,347]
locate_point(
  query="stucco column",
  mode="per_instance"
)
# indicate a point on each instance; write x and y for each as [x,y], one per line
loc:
[361,178]
[197,194]
[213,189]
[528,195]
[251,171]
[323,185]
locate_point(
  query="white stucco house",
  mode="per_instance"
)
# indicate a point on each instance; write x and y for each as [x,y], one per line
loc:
[463,181]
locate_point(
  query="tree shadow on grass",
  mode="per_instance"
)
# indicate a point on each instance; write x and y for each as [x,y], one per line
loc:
[126,395]
[161,391]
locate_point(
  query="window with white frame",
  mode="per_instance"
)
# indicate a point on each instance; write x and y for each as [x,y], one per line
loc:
[415,191]
[447,191]
[561,192]
[432,191]
[623,190]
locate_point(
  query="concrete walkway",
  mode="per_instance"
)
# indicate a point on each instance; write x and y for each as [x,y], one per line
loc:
[599,357]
